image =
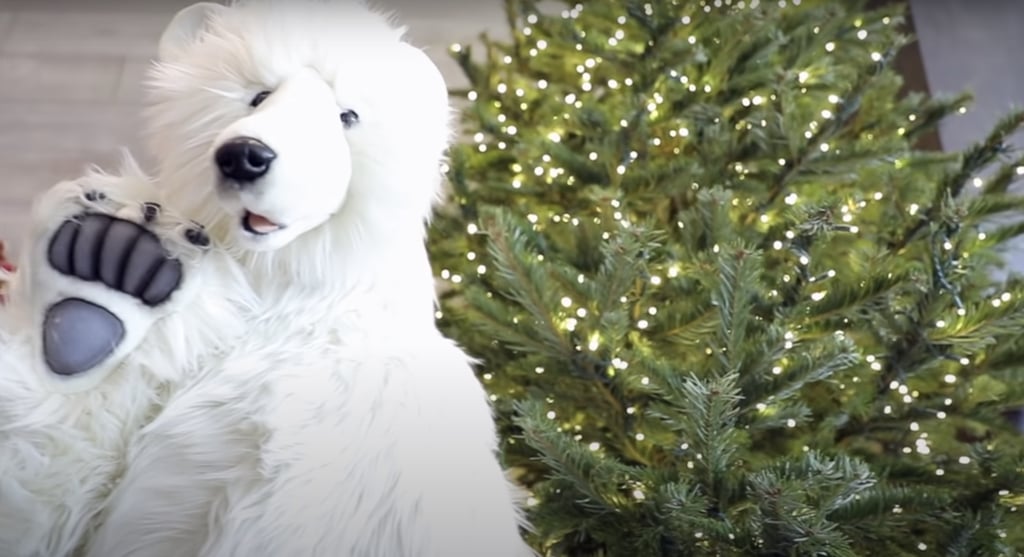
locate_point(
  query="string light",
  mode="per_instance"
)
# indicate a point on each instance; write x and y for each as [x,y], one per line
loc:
[668,137]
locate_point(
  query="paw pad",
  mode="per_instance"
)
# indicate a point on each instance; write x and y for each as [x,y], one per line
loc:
[78,335]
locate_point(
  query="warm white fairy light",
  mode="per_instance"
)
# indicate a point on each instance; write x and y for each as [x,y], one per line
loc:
[673,271]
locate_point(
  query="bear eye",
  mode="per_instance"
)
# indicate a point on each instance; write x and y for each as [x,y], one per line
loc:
[259,98]
[349,118]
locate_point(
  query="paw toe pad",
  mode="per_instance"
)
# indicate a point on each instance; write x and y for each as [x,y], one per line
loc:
[119,253]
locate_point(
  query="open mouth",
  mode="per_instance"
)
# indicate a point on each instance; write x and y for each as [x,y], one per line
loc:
[259,225]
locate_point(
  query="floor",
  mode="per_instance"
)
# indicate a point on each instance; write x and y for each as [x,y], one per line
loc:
[70,73]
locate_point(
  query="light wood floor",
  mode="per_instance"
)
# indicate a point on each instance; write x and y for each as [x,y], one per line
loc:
[70,73]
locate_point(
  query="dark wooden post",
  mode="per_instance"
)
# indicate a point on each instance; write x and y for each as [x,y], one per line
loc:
[910,64]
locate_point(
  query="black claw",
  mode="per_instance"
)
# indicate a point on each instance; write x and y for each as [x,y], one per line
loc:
[150,211]
[197,237]
[94,196]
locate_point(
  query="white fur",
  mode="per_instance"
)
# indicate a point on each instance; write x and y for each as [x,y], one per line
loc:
[339,422]
[62,443]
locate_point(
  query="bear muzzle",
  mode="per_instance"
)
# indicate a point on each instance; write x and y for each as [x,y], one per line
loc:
[244,160]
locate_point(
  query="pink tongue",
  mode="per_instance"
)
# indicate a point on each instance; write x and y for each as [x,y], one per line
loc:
[260,223]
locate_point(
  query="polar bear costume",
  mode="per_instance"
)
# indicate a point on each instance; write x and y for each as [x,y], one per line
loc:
[238,357]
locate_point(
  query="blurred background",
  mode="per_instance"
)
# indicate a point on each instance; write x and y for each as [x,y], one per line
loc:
[71,73]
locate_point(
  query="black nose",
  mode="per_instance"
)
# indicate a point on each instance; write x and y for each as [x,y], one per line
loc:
[244,159]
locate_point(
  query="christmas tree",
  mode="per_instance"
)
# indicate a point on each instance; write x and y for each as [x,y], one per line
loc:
[723,305]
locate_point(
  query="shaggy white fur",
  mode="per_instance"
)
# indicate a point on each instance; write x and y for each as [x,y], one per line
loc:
[63,439]
[294,397]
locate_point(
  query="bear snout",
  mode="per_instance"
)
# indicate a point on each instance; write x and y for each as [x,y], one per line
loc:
[244,160]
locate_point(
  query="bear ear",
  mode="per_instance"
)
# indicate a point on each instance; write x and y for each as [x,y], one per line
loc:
[185,28]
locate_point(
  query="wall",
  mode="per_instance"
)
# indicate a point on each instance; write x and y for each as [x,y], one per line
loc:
[977,46]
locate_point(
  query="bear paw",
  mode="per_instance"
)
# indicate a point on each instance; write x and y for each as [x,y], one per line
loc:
[103,275]
[124,256]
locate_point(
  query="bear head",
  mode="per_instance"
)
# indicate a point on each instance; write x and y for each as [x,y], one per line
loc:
[290,125]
